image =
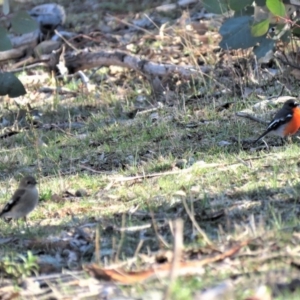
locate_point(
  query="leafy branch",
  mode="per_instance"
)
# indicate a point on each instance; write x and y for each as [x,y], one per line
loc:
[258,24]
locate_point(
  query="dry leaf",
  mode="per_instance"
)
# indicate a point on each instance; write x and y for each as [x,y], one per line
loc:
[183,268]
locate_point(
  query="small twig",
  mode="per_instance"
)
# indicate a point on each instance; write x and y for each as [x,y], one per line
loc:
[251,117]
[146,111]
[14,149]
[153,23]
[248,165]
[177,251]
[121,264]
[195,224]
[93,170]
[23,62]
[66,41]
[279,95]
[153,175]
[287,62]
[97,246]
[138,248]
[83,77]
[60,91]
[160,239]
[60,127]
[131,25]
[133,228]
[28,67]
[267,146]
[121,239]
[133,178]
[146,176]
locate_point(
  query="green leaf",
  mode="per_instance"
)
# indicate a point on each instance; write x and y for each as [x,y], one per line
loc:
[248,11]
[215,6]
[260,2]
[237,5]
[23,23]
[260,28]
[276,7]
[263,48]
[286,37]
[296,29]
[10,85]
[236,33]
[5,41]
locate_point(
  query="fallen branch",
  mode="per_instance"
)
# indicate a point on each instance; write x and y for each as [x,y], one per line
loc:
[89,60]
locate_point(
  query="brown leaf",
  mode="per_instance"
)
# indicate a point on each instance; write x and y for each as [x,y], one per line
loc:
[184,268]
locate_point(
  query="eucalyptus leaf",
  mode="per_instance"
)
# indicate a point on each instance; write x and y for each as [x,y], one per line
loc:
[237,5]
[296,29]
[263,48]
[22,23]
[260,28]
[10,85]
[276,7]
[236,33]
[260,2]
[215,6]
[247,11]
[5,41]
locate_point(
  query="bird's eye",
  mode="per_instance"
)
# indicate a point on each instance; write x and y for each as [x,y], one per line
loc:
[28,182]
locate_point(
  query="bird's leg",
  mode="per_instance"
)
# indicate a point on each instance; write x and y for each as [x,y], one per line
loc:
[25,220]
[289,139]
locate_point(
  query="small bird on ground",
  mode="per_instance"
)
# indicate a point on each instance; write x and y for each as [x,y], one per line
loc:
[23,201]
[286,121]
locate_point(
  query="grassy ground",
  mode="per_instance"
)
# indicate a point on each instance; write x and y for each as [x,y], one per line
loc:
[232,193]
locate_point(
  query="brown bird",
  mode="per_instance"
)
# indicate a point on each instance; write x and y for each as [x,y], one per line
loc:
[23,201]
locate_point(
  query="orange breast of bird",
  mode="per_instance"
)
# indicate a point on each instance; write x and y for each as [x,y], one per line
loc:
[294,125]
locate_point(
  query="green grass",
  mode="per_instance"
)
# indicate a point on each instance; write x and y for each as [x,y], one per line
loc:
[260,184]
[253,192]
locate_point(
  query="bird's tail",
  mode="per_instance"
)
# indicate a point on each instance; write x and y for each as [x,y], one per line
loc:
[260,137]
